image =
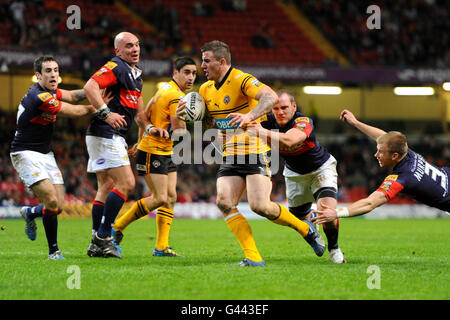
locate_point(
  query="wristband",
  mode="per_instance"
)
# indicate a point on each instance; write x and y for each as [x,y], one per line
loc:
[103,112]
[148,128]
[342,212]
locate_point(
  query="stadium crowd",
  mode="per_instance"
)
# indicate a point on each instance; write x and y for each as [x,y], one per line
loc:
[412,33]
[359,173]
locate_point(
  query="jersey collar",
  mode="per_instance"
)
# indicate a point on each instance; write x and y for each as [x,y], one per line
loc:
[218,85]
[136,72]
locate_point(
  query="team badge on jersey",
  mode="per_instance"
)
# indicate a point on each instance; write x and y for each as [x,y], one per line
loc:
[386,186]
[227,99]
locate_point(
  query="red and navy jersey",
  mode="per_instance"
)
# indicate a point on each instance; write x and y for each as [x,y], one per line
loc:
[415,176]
[36,116]
[118,77]
[306,156]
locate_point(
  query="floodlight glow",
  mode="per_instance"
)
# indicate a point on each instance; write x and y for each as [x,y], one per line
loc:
[333,90]
[414,91]
[446,86]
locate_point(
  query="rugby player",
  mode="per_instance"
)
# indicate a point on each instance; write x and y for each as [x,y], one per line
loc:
[105,138]
[310,170]
[411,174]
[154,161]
[233,99]
[31,154]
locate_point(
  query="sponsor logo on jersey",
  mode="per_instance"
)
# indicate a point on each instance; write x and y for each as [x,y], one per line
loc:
[392,177]
[301,119]
[224,124]
[101,161]
[44,96]
[255,82]
[111,65]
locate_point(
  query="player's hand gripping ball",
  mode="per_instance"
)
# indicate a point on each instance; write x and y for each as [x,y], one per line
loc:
[195,107]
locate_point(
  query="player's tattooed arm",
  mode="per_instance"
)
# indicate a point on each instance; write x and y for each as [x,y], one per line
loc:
[266,99]
[79,95]
[73,96]
[265,103]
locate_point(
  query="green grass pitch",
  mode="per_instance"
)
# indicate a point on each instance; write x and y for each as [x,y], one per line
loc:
[410,258]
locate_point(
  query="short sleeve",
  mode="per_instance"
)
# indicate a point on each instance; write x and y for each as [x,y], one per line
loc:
[250,86]
[391,186]
[105,76]
[303,124]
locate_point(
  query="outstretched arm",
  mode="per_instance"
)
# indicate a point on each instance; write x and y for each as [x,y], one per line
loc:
[370,131]
[360,207]
[73,96]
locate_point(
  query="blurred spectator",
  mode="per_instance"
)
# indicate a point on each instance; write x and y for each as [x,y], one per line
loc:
[202,9]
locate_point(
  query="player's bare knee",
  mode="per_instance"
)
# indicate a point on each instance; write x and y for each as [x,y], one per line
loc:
[51,203]
[224,206]
[262,209]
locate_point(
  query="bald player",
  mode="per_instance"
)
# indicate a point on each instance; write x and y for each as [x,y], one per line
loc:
[105,138]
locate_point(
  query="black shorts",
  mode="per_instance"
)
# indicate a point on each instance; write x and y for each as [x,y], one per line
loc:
[147,163]
[245,165]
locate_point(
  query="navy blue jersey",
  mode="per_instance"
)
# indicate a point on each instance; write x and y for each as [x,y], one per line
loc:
[36,116]
[427,183]
[116,76]
[304,157]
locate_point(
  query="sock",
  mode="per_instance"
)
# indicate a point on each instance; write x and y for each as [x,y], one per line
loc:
[50,222]
[332,235]
[288,219]
[35,212]
[243,233]
[138,210]
[113,204]
[97,213]
[164,219]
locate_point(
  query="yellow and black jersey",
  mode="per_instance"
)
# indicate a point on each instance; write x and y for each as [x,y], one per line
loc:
[235,93]
[163,107]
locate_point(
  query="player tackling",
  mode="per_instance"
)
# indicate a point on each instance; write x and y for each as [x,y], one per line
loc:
[411,174]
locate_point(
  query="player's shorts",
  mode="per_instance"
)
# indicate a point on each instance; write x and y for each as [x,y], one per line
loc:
[106,153]
[34,166]
[147,163]
[300,188]
[245,165]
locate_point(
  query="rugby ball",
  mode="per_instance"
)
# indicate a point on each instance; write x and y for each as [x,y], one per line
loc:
[195,107]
